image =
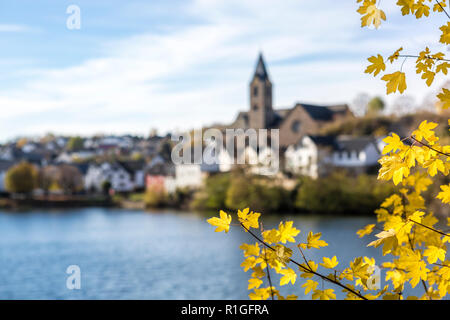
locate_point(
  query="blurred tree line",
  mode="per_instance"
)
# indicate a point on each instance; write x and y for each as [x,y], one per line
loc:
[25,177]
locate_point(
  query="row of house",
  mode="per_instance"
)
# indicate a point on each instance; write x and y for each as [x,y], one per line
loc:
[93,158]
[312,155]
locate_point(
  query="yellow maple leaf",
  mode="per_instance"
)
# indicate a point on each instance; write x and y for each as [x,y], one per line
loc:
[250,249]
[417,216]
[434,254]
[429,77]
[395,55]
[445,36]
[399,172]
[365,231]
[421,10]
[287,231]
[371,15]
[222,223]
[327,294]
[283,253]
[329,263]
[248,218]
[311,265]
[433,166]
[271,236]
[393,143]
[407,6]
[418,271]
[313,241]
[444,98]
[258,272]
[377,65]
[386,238]
[254,283]
[444,195]
[395,81]
[443,67]
[438,6]
[289,275]
[310,285]
[260,294]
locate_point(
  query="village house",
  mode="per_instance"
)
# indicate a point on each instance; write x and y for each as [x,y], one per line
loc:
[316,156]
[98,174]
[193,174]
[136,170]
[160,175]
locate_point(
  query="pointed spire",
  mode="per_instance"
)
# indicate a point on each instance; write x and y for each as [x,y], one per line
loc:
[260,70]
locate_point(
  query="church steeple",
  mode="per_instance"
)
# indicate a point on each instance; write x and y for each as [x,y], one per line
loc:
[261,112]
[260,70]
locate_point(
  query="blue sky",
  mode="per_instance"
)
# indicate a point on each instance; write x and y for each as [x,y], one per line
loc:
[172,65]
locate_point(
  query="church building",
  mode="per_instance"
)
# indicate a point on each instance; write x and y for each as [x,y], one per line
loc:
[293,123]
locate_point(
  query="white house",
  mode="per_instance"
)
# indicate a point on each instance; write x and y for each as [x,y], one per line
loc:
[192,175]
[317,155]
[136,170]
[226,160]
[305,156]
[97,175]
[4,167]
[263,160]
[69,157]
[357,152]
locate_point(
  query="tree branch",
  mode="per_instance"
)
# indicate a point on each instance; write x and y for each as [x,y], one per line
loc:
[430,228]
[427,57]
[429,147]
[446,13]
[267,267]
[306,269]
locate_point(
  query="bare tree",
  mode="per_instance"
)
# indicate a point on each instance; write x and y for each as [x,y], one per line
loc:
[359,104]
[403,105]
[47,176]
[70,179]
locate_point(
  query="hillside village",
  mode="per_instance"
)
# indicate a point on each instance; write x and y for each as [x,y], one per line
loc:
[124,164]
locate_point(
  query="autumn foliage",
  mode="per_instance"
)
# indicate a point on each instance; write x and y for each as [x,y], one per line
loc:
[408,235]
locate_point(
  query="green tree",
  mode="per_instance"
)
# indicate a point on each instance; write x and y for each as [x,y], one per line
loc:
[106,186]
[75,143]
[213,194]
[375,106]
[21,178]
[155,197]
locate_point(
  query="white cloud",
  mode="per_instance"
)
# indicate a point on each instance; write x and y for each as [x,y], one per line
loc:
[13,28]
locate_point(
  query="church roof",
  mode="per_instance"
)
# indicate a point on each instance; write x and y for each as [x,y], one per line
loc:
[343,143]
[323,140]
[261,71]
[323,113]
[346,143]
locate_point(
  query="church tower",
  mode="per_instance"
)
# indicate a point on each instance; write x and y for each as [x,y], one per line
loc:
[261,112]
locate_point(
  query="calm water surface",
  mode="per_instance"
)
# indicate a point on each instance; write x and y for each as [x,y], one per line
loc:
[125,254]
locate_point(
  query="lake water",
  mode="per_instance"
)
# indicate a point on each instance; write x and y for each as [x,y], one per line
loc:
[126,254]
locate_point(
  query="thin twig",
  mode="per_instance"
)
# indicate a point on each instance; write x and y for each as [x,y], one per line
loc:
[268,273]
[267,267]
[430,147]
[430,228]
[448,16]
[426,57]
[308,270]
